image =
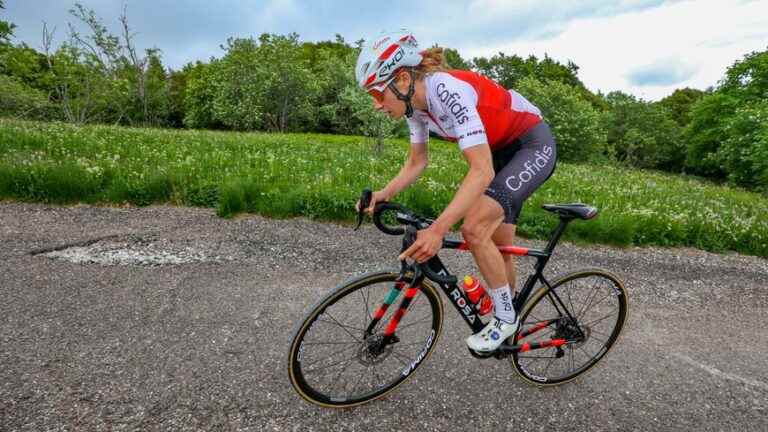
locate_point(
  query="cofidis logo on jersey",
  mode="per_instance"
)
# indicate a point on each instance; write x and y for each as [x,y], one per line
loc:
[452,102]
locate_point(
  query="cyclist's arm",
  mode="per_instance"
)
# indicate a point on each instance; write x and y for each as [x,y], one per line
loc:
[473,186]
[415,164]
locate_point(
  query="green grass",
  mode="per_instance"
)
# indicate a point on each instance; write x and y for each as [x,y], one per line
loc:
[321,176]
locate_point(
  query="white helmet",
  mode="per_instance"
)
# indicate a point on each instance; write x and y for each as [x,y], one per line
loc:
[380,60]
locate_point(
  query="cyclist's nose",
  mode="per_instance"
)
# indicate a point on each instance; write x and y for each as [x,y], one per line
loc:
[378,106]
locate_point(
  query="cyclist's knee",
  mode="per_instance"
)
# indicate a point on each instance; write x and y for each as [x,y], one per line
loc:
[478,231]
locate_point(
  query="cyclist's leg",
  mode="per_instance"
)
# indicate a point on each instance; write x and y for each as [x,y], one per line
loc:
[477,229]
[520,170]
[505,236]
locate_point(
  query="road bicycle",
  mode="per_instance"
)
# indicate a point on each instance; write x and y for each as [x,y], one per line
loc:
[353,346]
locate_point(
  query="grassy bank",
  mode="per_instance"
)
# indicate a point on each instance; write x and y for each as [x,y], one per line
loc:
[320,176]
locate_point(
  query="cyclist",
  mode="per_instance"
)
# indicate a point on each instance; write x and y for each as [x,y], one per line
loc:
[509,149]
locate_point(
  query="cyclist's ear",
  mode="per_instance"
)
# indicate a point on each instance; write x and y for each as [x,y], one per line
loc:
[403,79]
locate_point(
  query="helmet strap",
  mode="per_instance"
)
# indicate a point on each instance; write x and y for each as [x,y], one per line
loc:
[405,97]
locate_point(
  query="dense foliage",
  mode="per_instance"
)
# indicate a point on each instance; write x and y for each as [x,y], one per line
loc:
[321,175]
[277,83]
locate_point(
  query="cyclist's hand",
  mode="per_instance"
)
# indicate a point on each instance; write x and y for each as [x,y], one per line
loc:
[428,242]
[377,196]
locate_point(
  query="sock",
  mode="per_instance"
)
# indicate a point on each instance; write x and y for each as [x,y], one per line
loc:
[502,304]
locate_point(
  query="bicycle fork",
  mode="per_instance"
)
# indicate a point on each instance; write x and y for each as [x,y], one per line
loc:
[411,289]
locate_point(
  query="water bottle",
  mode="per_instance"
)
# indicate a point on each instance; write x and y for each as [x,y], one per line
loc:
[477,295]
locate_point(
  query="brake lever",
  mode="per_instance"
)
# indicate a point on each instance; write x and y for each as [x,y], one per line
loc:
[365,201]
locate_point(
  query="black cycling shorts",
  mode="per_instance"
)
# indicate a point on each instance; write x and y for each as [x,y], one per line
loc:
[521,167]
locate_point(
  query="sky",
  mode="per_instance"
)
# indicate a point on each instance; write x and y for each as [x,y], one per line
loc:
[647,48]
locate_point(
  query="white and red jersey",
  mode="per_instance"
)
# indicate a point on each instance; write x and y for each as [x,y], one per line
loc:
[470,109]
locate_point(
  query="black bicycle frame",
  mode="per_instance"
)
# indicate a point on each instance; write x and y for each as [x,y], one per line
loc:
[467,309]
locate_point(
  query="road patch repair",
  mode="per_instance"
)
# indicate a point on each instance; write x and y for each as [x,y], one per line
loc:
[134,250]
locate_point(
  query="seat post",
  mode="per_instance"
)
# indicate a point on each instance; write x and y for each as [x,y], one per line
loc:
[557,233]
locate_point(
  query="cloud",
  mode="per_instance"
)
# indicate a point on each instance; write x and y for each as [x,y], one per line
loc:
[662,72]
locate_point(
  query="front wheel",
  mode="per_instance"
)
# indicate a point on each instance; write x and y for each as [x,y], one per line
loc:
[345,352]
[585,310]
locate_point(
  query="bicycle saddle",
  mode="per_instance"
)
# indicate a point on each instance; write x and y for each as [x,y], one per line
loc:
[576,210]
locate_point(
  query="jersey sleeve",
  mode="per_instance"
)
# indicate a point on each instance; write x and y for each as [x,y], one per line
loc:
[459,100]
[419,130]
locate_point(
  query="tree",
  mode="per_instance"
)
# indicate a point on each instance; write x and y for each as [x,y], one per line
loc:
[6,28]
[20,100]
[238,85]
[290,87]
[744,154]
[101,77]
[177,89]
[679,104]
[575,123]
[25,64]
[264,84]
[707,131]
[199,96]
[743,89]
[80,85]
[747,79]
[509,70]
[643,134]
[455,61]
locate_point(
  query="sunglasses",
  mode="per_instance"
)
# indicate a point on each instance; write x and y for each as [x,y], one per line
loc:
[377,94]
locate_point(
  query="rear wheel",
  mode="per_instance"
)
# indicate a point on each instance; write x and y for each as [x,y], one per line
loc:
[587,309]
[337,359]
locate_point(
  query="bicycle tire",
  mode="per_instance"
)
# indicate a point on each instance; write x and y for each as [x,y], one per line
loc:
[541,308]
[337,321]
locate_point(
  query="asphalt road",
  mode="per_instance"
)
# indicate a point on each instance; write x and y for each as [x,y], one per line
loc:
[133,345]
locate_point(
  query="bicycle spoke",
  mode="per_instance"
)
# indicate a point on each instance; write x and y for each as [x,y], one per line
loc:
[411,344]
[595,305]
[343,327]
[414,323]
[590,357]
[338,378]
[593,331]
[401,356]
[326,366]
[335,322]
[548,365]
[327,357]
[588,303]
[570,300]
[598,339]
[367,309]
[599,319]
[359,378]
[377,376]
[536,357]
[329,343]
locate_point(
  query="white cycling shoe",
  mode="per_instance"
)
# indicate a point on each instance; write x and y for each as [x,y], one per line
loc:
[492,335]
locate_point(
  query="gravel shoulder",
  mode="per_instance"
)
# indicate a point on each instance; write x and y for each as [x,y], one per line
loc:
[172,318]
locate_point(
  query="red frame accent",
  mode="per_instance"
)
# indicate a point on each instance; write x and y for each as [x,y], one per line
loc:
[505,250]
[385,55]
[410,293]
[528,346]
[532,330]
